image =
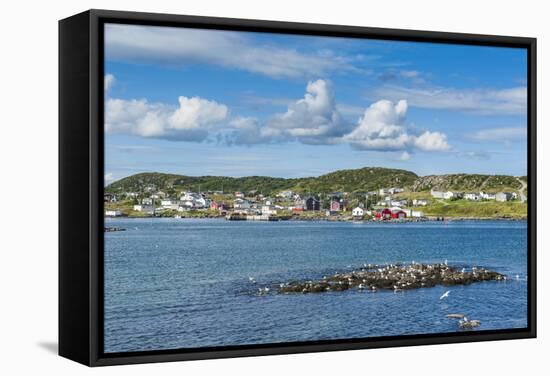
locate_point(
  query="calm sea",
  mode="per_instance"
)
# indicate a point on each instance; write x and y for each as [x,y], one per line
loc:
[184,283]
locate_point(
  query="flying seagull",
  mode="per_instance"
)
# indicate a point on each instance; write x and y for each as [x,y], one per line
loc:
[455,315]
[445,295]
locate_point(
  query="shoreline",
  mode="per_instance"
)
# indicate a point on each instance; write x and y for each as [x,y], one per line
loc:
[334,219]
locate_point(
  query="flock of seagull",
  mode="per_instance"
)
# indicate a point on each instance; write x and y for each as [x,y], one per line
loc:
[463,321]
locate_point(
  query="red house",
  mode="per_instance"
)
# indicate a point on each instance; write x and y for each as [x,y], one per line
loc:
[383,214]
[398,214]
[220,206]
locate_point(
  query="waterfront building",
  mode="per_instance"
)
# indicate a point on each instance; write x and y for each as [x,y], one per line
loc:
[240,203]
[113,213]
[358,212]
[311,203]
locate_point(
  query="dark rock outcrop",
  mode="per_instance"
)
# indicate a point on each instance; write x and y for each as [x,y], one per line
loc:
[396,277]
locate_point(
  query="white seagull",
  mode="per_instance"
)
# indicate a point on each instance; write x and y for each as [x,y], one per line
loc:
[445,295]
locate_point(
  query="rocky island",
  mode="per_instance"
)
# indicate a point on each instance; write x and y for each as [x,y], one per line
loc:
[396,277]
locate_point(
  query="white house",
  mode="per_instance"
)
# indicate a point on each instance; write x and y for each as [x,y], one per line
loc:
[170,204]
[192,200]
[415,214]
[186,205]
[395,190]
[446,195]
[113,213]
[503,196]
[472,196]
[109,197]
[449,194]
[269,210]
[167,203]
[398,203]
[143,208]
[488,196]
[420,202]
[437,194]
[240,203]
[147,201]
[201,202]
[358,212]
[239,195]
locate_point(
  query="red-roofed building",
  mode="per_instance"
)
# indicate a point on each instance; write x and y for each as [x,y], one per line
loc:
[383,214]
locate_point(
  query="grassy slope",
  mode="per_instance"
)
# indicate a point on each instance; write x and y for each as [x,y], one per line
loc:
[483,209]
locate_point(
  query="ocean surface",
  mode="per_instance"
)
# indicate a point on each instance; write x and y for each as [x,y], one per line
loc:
[184,283]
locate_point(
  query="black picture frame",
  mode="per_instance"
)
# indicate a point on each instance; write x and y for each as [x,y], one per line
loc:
[81,175]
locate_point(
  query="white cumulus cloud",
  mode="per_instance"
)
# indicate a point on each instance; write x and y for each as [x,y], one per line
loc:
[431,141]
[382,127]
[196,112]
[190,121]
[312,119]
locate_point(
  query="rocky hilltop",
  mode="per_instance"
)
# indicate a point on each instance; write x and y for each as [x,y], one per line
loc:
[466,182]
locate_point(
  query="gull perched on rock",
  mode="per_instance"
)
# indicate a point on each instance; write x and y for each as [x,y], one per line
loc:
[263,291]
[468,324]
[463,322]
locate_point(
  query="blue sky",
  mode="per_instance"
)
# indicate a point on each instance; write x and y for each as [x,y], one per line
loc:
[206,102]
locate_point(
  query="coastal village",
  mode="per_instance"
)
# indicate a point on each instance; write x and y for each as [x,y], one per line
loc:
[384,204]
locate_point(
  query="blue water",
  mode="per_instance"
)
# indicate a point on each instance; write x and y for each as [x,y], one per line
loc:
[184,283]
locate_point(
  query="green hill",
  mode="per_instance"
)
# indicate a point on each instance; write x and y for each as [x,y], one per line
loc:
[171,182]
[356,180]
[359,180]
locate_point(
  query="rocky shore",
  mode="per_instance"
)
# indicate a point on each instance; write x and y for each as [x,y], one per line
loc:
[396,277]
[113,229]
